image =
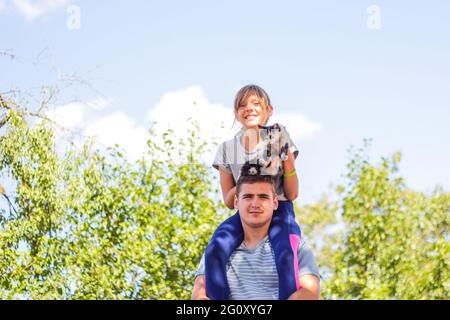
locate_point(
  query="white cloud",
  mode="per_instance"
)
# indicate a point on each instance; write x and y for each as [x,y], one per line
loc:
[175,108]
[90,120]
[75,115]
[2,4]
[33,9]
[119,129]
[298,126]
[69,116]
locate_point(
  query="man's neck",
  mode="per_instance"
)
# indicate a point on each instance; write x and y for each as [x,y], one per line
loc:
[253,236]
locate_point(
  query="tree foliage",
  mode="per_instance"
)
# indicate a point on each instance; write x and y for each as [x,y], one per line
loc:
[393,243]
[91,225]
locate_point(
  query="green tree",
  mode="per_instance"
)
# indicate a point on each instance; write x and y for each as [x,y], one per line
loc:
[393,243]
[318,222]
[91,225]
[30,241]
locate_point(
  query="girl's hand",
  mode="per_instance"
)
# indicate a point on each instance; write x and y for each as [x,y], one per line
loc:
[289,164]
[290,178]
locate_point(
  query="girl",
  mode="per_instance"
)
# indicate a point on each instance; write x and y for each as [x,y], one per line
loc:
[273,153]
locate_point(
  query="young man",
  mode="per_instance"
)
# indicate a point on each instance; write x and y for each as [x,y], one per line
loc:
[251,269]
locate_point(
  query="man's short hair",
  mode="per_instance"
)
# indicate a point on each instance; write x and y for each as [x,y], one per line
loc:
[244,179]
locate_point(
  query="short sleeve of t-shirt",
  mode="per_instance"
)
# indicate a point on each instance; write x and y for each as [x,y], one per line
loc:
[286,137]
[306,261]
[221,159]
[201,267]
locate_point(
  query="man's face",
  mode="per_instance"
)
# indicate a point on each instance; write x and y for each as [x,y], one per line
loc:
[256,204]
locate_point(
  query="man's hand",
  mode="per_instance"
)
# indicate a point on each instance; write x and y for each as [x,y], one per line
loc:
[199,292]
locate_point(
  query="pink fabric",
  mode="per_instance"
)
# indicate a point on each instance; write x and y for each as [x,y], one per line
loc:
[295,240]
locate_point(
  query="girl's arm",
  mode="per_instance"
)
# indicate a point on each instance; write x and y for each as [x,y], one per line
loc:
[228,187]
[290,182]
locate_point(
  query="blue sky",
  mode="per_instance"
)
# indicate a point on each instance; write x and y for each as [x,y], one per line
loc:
[333,80]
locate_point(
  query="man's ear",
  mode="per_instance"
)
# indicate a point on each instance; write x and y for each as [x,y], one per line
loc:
[235,201]
[275,202]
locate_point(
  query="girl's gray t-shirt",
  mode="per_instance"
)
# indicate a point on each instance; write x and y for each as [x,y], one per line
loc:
[231,156]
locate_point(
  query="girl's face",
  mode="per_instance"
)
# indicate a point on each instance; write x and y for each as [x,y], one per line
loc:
[250,113]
